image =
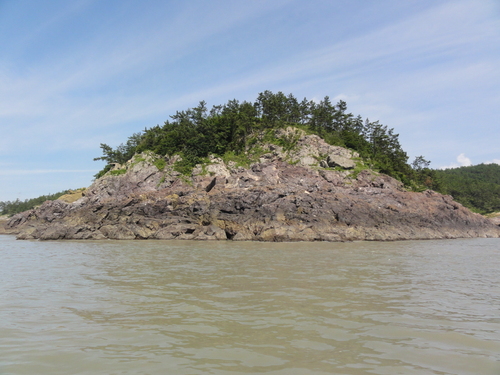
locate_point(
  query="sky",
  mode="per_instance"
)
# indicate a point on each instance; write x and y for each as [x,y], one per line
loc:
[75,74]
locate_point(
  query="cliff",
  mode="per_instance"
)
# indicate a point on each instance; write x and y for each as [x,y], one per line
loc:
[313,192]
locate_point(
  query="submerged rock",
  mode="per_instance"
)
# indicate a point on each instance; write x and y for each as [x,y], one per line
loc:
[283,197]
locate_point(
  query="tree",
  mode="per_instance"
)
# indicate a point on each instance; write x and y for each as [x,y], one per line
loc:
[123,152]
[420,163]
[197,132]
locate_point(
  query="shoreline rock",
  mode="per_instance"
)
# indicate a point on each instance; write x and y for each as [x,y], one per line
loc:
[282,197]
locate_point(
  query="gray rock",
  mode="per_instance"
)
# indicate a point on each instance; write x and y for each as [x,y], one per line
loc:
[340,161]
[271,201]
[495,220]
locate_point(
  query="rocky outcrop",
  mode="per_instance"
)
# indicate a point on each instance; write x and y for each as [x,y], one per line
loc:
[495,218]
[3,226]
[333,161]
[284,196]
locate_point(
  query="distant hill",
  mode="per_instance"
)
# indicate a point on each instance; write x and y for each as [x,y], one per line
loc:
[476,187]
[13,207]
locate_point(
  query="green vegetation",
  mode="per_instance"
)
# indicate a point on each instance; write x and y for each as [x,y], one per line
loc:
[162,180]
[184,166]
[160,163]
[476,187]
[233,131]
[103,171]
[118,172]
[359,168]
[122,153]
[13,207]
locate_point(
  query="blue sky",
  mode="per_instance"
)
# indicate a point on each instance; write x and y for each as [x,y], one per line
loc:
[74,74]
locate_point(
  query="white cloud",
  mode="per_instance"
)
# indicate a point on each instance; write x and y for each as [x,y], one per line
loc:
[463,161]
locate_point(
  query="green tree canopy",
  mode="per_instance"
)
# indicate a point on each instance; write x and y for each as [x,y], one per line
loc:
[197,132]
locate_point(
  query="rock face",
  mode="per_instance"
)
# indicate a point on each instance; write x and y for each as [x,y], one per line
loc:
[338,161]
[495,219]
[285,196]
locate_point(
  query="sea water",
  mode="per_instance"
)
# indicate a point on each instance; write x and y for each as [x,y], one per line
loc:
[182,307]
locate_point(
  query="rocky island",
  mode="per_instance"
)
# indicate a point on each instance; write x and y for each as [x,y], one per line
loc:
[311,192]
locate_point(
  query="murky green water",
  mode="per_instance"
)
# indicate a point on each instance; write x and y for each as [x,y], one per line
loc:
[158,307]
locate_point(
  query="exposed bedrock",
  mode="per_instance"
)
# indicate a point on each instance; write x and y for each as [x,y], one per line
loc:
[272,200]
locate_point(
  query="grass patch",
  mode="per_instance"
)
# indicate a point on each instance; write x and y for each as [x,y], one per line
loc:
[137,159]
[162,180]
[244,159]
[118,172]
[186,180]
[183,166]
[241,159]
[160,163]
[360,166]
[103,171]
[287,142]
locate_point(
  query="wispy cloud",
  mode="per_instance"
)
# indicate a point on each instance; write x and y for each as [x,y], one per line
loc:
[43,171]
[431,74]
[84,91]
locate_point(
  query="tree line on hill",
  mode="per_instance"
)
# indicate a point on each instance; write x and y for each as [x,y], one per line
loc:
[234,128]
[476,187]
[198,132]
[13,207]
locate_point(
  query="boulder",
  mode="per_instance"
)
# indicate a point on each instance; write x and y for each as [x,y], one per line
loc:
[340,161]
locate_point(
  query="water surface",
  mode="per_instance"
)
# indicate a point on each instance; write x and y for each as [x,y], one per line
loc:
[167,307]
